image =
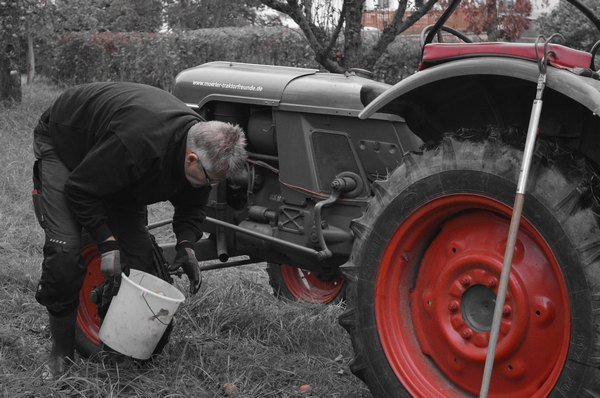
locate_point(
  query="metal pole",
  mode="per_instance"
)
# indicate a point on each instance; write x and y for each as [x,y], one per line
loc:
[271,239]
[159,224]
[512,235]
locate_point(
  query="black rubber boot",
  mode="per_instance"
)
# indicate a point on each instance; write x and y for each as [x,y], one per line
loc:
[62,330]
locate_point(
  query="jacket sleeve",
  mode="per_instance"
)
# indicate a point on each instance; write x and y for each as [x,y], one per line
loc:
[189,213]
[107,169]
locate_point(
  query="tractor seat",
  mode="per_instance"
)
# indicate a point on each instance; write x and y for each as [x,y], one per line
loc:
[565,58]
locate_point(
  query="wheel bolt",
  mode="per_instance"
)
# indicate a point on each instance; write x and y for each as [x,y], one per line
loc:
[453,306]
[465,281]
[466,333]
[507,310]
[493,283]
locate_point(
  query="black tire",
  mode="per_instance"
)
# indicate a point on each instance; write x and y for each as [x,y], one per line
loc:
[87,342]
[294,284]
[398,354]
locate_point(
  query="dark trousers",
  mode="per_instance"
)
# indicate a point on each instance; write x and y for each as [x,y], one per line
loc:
[63,270]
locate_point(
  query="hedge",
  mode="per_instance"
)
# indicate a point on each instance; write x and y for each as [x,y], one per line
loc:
[156,58]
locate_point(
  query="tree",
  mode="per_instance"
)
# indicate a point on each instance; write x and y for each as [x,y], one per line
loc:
[132,15]
[577,29]
[11,25]
[323,34]
[108,15]
[197,14]
[80,15]
[498,19]
[39,23]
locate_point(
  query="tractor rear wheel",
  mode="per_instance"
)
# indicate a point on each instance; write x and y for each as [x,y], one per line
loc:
[295,284]
[423,276]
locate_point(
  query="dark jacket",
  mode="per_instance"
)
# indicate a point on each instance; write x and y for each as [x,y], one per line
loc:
[125,142]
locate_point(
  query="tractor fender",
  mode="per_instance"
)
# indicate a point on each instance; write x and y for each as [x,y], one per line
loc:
[583,90]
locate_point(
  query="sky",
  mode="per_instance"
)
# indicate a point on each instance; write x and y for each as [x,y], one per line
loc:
[539,6]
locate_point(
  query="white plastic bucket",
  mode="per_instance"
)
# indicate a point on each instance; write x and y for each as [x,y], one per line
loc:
[139,314]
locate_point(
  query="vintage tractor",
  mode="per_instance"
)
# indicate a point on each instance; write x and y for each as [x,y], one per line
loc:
[399,198]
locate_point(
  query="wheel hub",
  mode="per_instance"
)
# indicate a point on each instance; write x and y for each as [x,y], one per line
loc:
[478,307]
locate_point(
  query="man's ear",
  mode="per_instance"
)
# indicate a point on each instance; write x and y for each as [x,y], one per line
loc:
[190,157]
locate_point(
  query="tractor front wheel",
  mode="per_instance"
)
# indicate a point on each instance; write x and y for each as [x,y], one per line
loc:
[425,269]
[296,284]
[87,340]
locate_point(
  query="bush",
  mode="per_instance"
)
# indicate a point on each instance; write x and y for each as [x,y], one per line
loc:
[399,61]
[156,58]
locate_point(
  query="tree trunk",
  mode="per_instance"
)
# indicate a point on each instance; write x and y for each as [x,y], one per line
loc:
[10,80]
[308,10]
[4,78]
[10,85]
[492,18]
[217,13]
[15,85]
[353,33]
[30,57]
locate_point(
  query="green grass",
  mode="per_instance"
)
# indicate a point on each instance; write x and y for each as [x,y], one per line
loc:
[232,331]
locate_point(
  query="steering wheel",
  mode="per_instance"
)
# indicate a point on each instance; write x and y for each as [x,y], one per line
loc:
[361,72]
[593,51]
[452,31]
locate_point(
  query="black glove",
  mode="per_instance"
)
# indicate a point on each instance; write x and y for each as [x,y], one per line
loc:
[110,259]
[186,259]
[103,294]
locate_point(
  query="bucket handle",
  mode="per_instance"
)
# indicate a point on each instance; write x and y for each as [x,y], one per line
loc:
[155,316]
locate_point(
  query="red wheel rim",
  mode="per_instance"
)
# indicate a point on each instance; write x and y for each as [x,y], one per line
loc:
[434,326]
[87,312]
[306,286]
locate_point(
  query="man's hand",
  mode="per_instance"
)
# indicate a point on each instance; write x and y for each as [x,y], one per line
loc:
[186,259]
[110,259]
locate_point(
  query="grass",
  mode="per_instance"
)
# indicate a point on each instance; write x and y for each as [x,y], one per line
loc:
[233,331]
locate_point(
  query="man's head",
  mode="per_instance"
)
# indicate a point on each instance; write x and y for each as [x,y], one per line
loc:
[215,150]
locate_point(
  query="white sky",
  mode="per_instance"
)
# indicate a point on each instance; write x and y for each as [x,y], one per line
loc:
[538,5]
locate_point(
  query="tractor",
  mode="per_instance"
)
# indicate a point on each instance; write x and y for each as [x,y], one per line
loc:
[399,201]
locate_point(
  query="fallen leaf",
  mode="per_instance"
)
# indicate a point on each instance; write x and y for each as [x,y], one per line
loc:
[230,389]
[305,388]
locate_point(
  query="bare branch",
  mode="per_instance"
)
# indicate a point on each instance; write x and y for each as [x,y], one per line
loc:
[277,6]
[317,39]
[338,28]
[410,21]
[397,26]
[328,63]
[398,16]
[293,10]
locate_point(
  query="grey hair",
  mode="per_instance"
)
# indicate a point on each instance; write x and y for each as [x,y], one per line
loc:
[220,146]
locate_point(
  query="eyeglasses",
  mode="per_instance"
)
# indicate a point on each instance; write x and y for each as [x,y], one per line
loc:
[209,181]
